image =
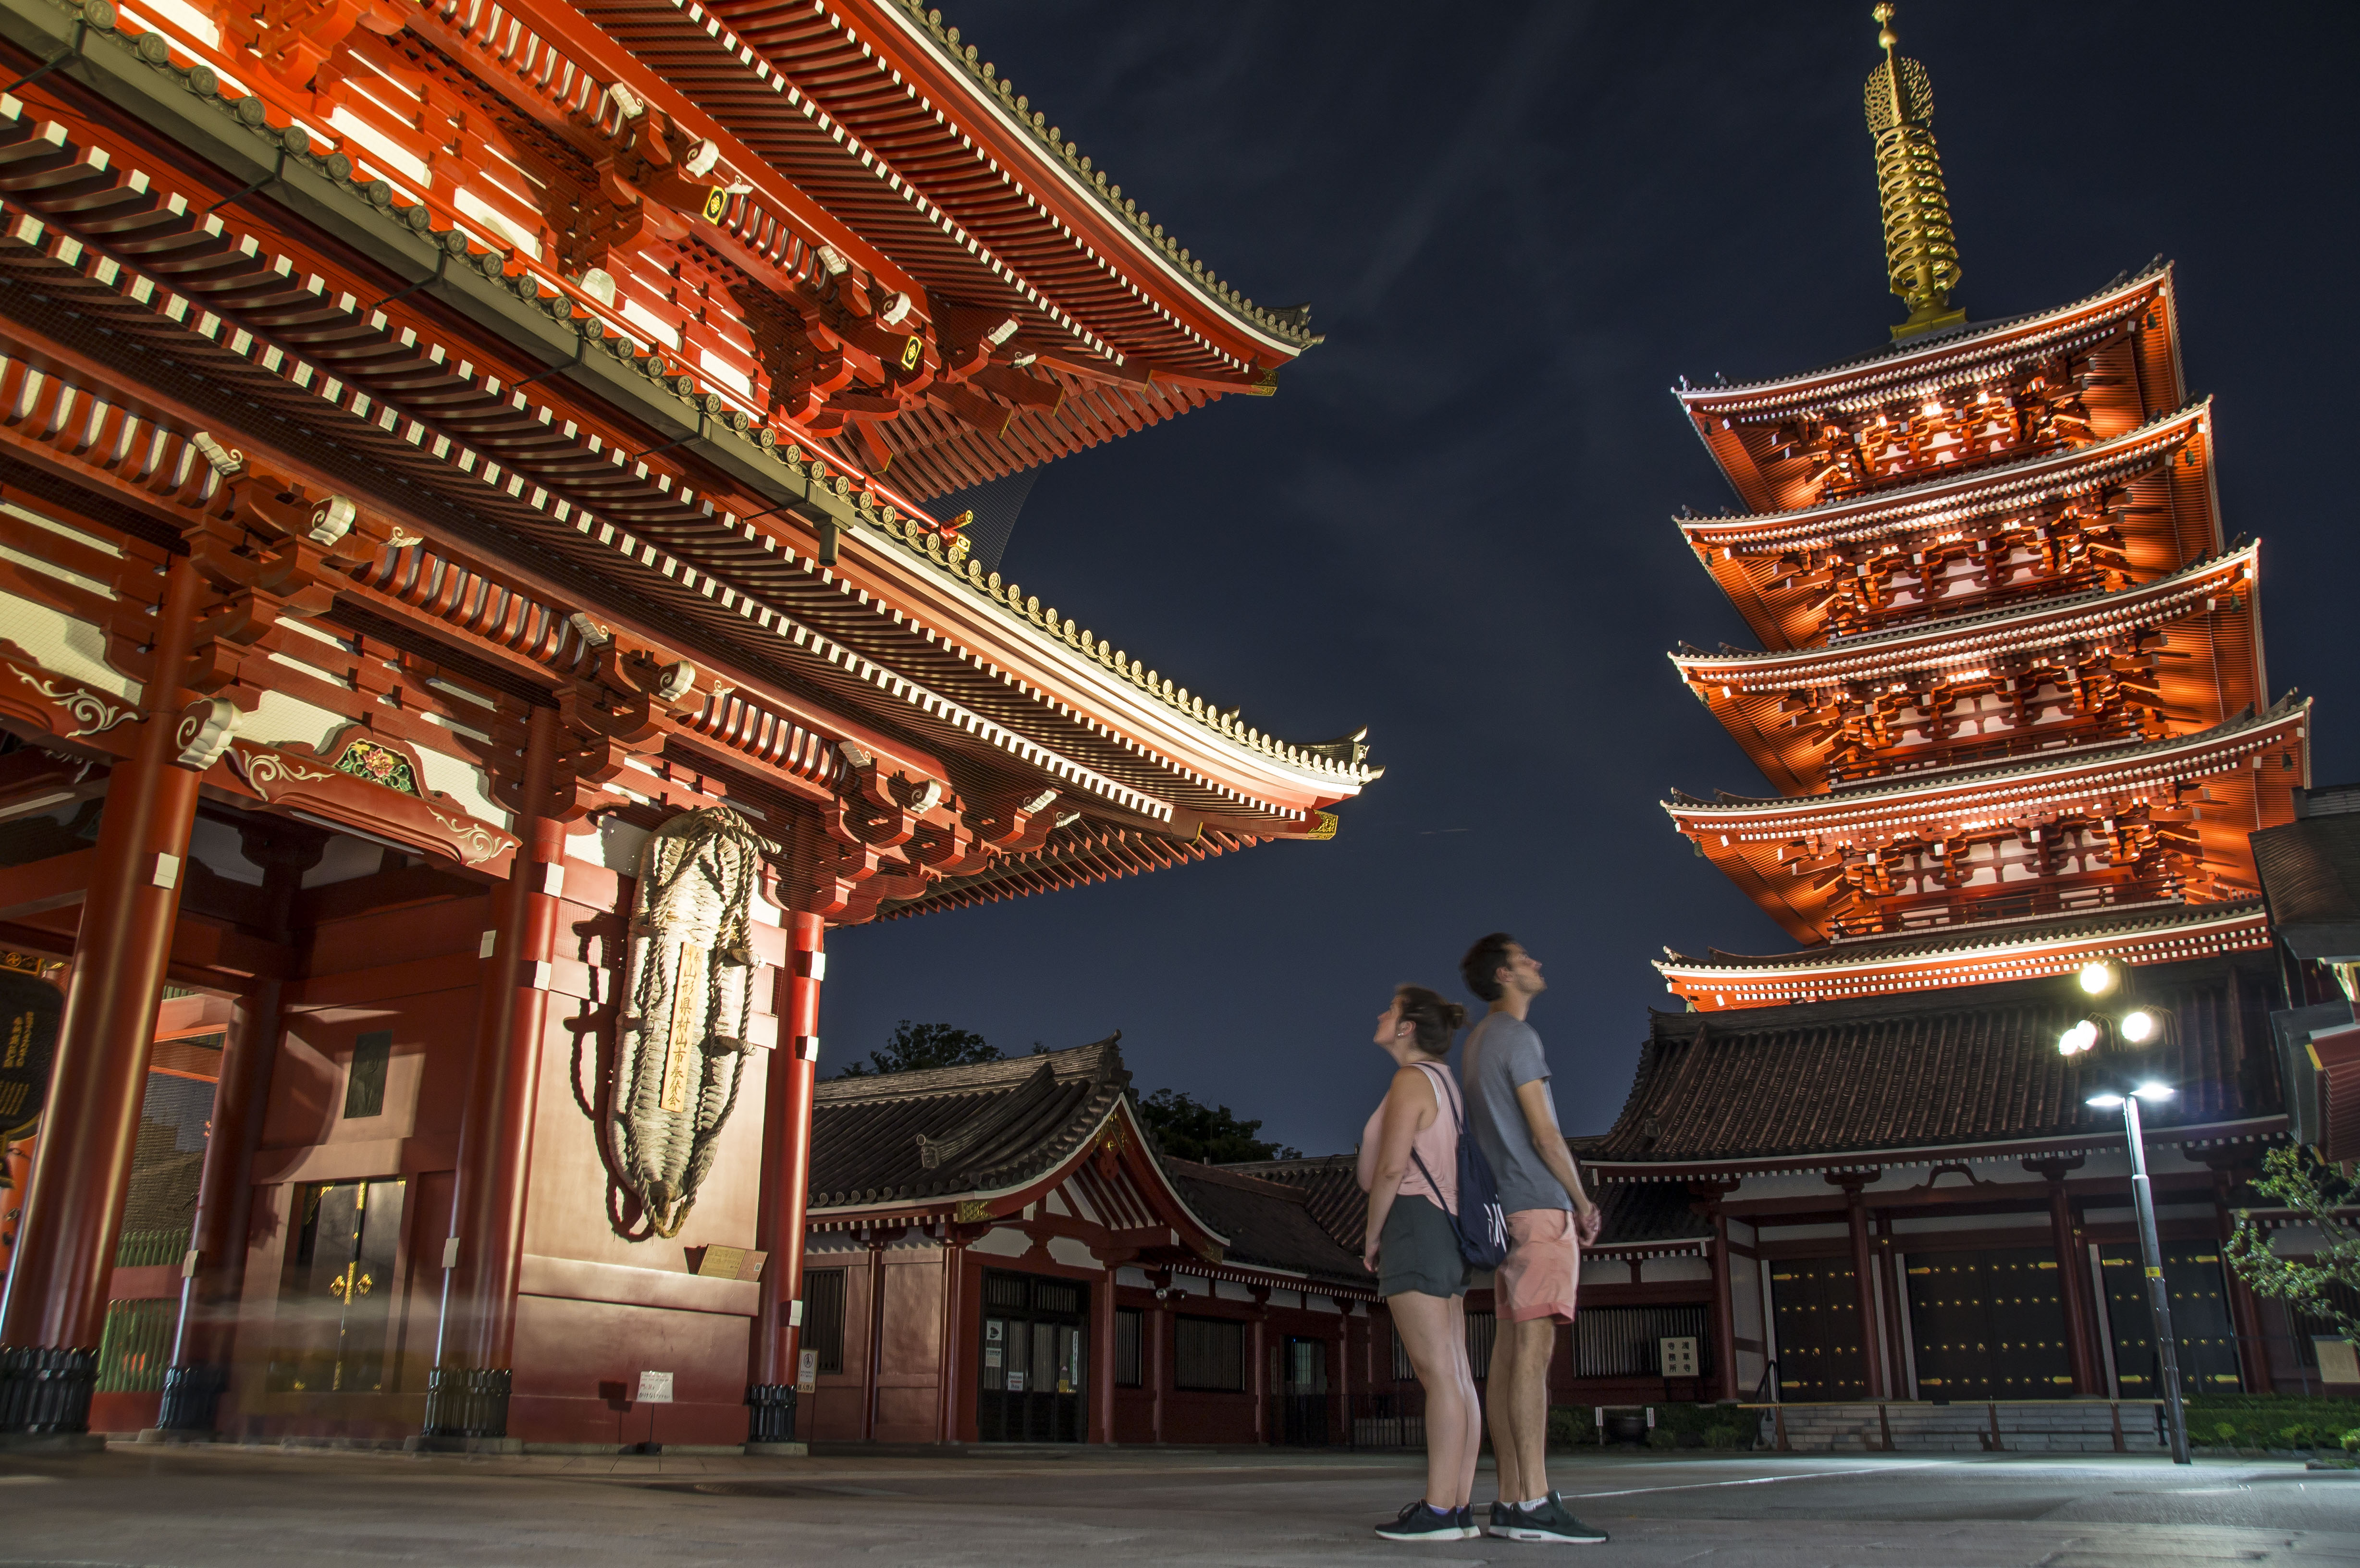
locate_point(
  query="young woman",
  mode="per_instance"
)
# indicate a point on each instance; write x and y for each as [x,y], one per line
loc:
[1409,1165]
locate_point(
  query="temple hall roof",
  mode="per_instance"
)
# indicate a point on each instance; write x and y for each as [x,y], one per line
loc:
[1269,1223]
[928,1136]
[1914,1079]
[1330,1189]
[2311,874]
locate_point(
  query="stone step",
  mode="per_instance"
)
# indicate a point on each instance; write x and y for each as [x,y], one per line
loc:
[2080,1426]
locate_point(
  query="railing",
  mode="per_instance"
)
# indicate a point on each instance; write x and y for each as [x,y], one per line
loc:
[1393,1418]
[147,1248]
[135,1346]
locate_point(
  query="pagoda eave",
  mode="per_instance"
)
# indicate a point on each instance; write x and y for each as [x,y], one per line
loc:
[1969,955]
[2090,826]
[1937,363]
[2212,603]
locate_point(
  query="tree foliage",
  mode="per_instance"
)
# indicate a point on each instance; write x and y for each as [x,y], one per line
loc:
[916,1046]
[2324,1198]
[1187,1128]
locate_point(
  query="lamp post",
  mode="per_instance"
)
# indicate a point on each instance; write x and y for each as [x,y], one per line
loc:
[2122,1032]
[2158,1294]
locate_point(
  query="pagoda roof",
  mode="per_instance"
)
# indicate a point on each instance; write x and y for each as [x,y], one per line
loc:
[1751,556]
[2311,874]
[1948,499]
[1962,639]
[2016,786]
[1934,362]
[1747,690]
[1754,840]
[1933,1077]
[1885,966]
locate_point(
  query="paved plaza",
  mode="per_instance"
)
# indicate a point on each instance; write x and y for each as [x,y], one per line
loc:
[237,1508]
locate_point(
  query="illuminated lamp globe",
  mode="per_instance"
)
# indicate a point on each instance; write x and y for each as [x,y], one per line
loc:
[2138,1026]
[2151,1093]
[2097,977]
[2080,1037]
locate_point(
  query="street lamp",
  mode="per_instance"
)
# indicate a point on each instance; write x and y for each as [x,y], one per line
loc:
[2158,1297]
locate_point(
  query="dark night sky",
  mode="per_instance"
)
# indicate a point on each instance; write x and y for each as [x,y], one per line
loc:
[1518,225]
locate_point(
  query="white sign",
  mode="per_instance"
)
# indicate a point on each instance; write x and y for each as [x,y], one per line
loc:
[1016,1382]
[1678,1354]
[655,1387]
[2337,1361]
[807,1370]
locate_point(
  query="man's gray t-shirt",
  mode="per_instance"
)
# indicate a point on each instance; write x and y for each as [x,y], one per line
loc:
[1502,1054]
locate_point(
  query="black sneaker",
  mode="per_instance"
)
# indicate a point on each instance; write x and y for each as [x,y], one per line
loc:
[1418,1522]
[1467,1527]
[1551,1521]
[1503,1518]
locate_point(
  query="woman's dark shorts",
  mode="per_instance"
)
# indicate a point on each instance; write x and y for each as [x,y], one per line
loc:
[1418,1250]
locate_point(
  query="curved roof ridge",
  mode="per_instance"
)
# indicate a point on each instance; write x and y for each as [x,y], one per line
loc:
[921,536]
[1290,324]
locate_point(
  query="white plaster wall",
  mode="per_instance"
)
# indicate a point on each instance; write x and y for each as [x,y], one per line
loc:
[58,642]
[1073,1254]
[1657,1271]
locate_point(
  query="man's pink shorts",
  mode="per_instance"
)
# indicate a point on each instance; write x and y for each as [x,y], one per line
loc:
[1543,1267]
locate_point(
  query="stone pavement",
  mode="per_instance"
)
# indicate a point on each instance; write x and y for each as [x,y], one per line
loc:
[239,1507]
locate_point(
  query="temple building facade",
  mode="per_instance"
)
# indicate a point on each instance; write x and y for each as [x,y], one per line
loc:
[2011,700]
[483,591]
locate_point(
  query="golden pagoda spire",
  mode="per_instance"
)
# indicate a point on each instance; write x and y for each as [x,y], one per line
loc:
[1921,252]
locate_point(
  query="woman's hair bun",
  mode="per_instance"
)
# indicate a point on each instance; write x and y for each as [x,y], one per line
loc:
[1433,1019]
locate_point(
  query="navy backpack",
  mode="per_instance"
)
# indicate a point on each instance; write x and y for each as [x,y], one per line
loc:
[1481,1224]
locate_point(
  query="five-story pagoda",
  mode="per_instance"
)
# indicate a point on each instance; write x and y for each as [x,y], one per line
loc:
[2012,691]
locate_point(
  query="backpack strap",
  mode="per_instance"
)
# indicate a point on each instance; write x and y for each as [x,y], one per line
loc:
[1458,1111]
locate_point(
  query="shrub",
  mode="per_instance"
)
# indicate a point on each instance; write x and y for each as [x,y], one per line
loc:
[1661,1437]
[2352,1440]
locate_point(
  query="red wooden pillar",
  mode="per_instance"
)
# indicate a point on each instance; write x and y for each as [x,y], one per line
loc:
[1724,1311]
[468,1393]
[948,1404]
[872,1358]
[2073,1281]
[1259,1381]
[2244,1312]
[1102,1357]
[205,1346]
[781,1217]
[1158,1354]
[1863,1278]
[55,1308]
[1344,1364]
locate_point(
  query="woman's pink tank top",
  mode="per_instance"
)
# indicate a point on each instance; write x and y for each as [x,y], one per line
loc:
[1437,1145]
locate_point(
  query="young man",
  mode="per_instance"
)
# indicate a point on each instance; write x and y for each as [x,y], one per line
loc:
[1513,1119]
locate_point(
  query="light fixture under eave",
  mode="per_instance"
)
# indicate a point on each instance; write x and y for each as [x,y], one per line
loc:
[2097,977]
[2103,1102]
[2155,1093]
[2080,1038]
[2138,1026]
